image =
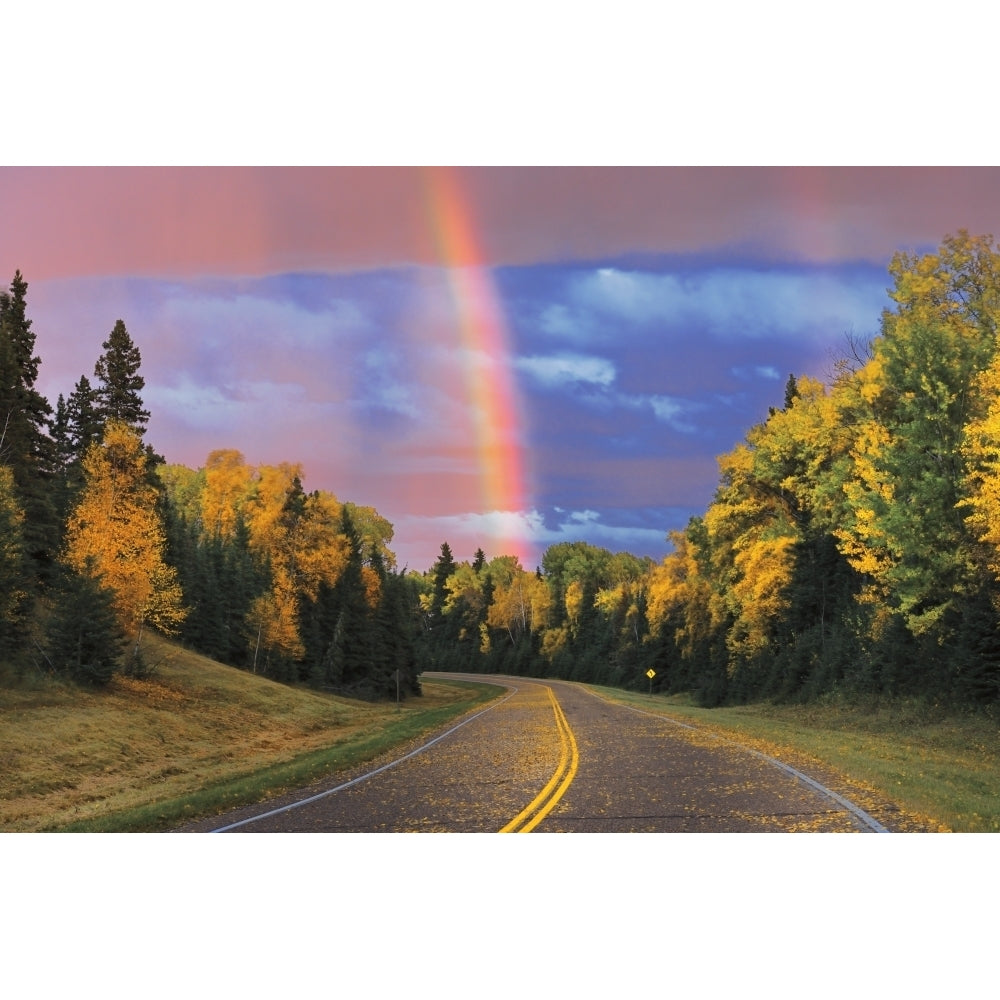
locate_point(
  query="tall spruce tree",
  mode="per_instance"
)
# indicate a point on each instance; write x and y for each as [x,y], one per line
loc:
[83,418]
[75,427]
[13,578]
[350,654]
[25,447]
[119,383]
[85,639]
[443,568]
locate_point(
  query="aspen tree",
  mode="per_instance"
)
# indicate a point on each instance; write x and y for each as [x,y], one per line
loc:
[115,535]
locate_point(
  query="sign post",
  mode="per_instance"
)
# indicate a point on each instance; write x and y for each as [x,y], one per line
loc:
[651,673]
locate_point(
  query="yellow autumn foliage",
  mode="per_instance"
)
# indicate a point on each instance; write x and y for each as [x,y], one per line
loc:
[273,617]
[574,601]
[764,566]
[521,605]
[228,484]
[981,448]
[115,535]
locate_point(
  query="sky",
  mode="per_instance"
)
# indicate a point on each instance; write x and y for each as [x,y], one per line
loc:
[502,358]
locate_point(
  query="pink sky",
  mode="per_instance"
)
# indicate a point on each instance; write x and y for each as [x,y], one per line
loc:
[61,222]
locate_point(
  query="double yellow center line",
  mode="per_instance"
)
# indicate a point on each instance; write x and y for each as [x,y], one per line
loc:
[543,803]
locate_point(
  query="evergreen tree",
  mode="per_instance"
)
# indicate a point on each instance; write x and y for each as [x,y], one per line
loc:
[349,655]
[25,447]
[75,427]
[399,631]
[84,418]
[13,575]
[443,568]
[119,383]
[393,657]
[85,639]
[60,433]
[791,392]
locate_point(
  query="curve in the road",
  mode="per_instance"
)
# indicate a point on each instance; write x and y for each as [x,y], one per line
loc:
[569,761]
[545,801]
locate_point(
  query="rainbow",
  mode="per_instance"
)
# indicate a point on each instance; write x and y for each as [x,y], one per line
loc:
[489,382]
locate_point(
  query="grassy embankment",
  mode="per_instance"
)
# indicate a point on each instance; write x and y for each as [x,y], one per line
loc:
[198,738]
[942,766]
[194,739]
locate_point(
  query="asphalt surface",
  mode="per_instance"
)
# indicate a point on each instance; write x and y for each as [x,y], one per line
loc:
[553,757]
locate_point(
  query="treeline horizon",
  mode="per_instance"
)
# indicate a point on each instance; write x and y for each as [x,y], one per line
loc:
[852,545]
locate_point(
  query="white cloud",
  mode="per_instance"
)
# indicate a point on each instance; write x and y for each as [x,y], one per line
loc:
[730,303]
[235,318]
[224,407]
[596,375]
[558,321]
[748,372]
[667,409]
[465,532]
[568,369]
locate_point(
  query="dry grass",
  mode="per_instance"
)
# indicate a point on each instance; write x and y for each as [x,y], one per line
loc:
[69,755]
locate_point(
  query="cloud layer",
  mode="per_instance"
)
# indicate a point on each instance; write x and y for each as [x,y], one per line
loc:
[362,378]
[651,317]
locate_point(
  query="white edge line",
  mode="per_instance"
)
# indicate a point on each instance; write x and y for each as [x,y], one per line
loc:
[363,777]
[873,824]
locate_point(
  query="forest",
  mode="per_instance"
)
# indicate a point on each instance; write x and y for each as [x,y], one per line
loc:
[852,545]
[101,539]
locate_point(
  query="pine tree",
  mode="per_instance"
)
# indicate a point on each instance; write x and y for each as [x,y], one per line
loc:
[75,427]
[347,660]
[443,568]
[83,417]
[85,639]
[791,392]
[120,384]
[60,433]
[397,631]
[24,443]
[13,577]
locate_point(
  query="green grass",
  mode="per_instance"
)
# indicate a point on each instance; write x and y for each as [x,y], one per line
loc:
[193,740]
[938,766]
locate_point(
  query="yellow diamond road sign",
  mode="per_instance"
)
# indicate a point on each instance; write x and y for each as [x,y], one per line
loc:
[651,673]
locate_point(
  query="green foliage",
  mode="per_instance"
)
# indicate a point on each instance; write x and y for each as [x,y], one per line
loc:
[84,638]
[850,546]
[119,389]
[13,570]
[441,571]
[25,447]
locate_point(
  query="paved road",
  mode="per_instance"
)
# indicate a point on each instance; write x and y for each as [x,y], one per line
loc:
[553,757]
